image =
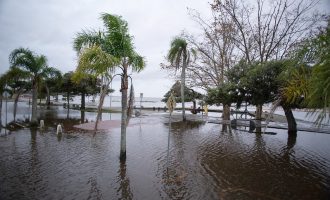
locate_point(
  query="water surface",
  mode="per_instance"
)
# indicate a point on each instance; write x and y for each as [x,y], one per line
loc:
[203,163]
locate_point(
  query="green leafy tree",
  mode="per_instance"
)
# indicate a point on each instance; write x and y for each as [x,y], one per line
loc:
[68,87]
[312,83]
[86,85]
[190,94]
[17,81]
[225,95]
[262,84]
[51,82]
[114,42]
[35,66]
[179,56]
[2,90]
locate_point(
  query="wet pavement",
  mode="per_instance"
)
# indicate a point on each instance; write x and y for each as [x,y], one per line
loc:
[204,163]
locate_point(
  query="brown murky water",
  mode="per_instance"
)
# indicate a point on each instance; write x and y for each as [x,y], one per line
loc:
[203,164]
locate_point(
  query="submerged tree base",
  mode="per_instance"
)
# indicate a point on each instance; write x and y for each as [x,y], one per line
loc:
[122,156]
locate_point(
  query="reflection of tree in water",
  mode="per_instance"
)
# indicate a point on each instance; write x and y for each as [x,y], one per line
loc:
[124,190]
[244,170]
[288,150]
[94,192]
[34,170]
[175,178]
[182,126]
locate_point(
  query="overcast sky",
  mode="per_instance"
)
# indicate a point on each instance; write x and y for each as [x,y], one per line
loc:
[48,28]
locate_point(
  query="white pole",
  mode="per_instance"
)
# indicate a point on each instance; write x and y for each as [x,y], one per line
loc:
[6,108]
[168,142]
[141,96]
[171,106]
[110,93]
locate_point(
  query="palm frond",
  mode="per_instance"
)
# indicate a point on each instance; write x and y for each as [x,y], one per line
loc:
[24,58]
[17,73]
[96,61]
[137,62]
[87,39]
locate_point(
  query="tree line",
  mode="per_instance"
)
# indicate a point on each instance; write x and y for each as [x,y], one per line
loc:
[102,55]
[257,52]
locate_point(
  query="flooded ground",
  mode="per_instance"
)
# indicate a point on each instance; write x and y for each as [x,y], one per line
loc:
[203,164]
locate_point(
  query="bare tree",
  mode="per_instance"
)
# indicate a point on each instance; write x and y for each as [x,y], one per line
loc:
[217,53]
[267,30]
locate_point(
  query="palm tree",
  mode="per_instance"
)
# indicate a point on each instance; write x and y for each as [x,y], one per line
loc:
[35,66]
[97,62]
[2,89]
[50,81]
[312,86]
[179,56]
[17,81]
[115,42]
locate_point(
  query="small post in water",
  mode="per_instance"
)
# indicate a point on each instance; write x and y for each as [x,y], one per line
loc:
[42,124]
[59,129]
[170,105]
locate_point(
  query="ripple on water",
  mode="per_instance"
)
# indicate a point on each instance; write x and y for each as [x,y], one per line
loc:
[203,164]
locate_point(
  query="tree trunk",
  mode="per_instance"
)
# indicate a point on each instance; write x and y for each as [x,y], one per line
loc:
[15,102]
[258,118]
[225,117]
[0,110]
[48,97]
[82,103]
[124,87]
[99,109]
[292,125]
[68,99]
[82,116]
[34,103]
[183,77]
[68,106]
[194,111]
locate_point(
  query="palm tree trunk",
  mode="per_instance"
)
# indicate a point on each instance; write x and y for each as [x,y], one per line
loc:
[292,124]
[68,99]
[183,77]
[15,102]
[124,87]
[34,103]
[0,110]
[48,97]
[99,109]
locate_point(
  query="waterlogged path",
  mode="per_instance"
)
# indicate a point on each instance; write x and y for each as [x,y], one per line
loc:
[204,163]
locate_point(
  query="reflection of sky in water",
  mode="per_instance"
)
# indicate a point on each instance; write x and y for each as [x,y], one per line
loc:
[204,163]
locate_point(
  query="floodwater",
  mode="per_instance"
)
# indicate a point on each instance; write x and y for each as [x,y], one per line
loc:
[203,162]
